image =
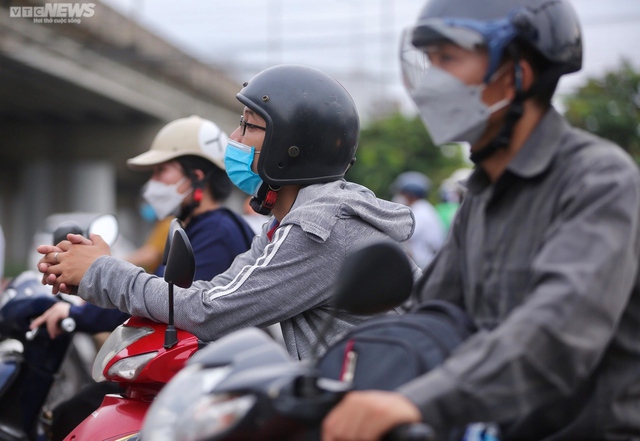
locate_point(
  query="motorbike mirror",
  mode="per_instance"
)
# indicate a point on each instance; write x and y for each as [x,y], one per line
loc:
[181,263]
[105,225]
[174,225]
[65,228]
[374,279]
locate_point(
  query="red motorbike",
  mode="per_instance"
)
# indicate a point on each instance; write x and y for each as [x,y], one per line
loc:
[142,356]
[245,387]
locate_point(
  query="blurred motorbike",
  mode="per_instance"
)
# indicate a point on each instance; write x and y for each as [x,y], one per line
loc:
[142,356]
[245,387]
[37,372]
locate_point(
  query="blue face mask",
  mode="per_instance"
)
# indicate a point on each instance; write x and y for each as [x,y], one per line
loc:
[237,161]
[147,212]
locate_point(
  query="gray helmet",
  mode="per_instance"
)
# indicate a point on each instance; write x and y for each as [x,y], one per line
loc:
[550,27]
[312,125]
[412,182]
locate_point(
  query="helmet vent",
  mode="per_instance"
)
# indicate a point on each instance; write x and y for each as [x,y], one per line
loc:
[265,98]
[294,151]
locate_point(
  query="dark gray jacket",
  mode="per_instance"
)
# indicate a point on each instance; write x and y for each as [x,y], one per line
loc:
[546,262]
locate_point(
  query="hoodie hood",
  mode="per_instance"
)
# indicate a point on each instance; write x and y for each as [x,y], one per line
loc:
[318,207]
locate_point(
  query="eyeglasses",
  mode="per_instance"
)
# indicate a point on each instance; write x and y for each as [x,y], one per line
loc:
[245,124]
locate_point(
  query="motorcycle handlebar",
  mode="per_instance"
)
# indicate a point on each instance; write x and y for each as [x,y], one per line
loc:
[411,432]
[68,325]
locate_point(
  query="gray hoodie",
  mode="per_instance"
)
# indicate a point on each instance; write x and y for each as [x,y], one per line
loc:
[288,279]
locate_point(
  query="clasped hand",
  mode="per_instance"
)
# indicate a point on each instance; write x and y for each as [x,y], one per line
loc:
[63,265]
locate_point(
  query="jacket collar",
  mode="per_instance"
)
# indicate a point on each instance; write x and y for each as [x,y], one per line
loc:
[536,153]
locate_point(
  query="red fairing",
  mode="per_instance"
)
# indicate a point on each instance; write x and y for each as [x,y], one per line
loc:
[116,418]
[166,363]
[122,415]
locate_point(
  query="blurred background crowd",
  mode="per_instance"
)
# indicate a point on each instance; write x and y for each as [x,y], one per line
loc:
[78,98]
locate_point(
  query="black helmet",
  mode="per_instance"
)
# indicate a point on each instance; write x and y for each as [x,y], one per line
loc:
[312,125]
[550,27]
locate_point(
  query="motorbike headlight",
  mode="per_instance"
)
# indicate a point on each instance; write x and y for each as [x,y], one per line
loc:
[119,339]
[186,388]
[212,415]
[129,368]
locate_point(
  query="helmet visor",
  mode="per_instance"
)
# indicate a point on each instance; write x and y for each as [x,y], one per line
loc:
[416,40]
[454,31]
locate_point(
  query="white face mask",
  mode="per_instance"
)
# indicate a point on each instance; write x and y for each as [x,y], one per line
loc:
[164,198]
[452,110]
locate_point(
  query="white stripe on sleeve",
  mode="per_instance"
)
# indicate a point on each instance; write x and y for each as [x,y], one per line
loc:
[264,260]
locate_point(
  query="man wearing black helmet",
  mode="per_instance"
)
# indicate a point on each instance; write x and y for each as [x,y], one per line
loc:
[297,138]
[543,253]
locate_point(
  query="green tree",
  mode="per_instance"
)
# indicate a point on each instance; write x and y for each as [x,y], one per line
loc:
[397,144]
[610,107]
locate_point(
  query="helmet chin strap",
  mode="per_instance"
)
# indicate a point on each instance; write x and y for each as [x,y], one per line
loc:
[516,109]
[197,189]
[546,79]
[264,201]
[502,140]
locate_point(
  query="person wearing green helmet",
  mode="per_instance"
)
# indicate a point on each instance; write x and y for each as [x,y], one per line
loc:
[543,253]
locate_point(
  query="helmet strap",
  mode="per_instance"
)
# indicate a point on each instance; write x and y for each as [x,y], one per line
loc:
[502,140]
[516,109]
[198,189]
[351,164]
[514,113]
[264,201]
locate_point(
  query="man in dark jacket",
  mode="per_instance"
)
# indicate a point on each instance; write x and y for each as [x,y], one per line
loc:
[544,251]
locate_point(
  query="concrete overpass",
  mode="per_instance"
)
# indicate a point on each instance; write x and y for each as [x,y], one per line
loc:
[77,100]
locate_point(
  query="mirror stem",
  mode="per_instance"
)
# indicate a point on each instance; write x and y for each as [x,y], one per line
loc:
[170,335]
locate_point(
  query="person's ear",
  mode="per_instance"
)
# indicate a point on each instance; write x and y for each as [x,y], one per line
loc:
[528,75]
[199,174]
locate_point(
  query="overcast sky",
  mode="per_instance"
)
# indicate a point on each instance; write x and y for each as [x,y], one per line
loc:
[355,41]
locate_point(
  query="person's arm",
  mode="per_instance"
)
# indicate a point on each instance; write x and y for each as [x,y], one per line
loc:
[89,318]
[271,282]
